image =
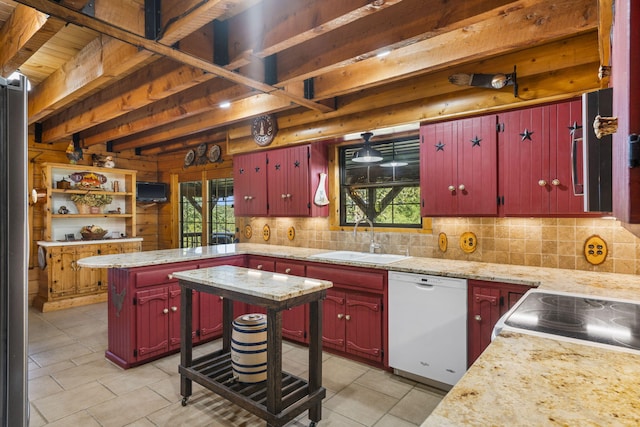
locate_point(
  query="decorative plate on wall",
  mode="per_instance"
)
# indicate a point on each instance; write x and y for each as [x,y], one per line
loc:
[291,233]
[189,157]
[468,242]
[248,232]
[214,153]
[442,242]
[266,232]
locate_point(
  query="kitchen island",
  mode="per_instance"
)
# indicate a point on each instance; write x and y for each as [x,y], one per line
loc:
[520,379]
[282,396]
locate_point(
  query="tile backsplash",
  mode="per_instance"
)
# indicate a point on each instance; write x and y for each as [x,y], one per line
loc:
[545,242]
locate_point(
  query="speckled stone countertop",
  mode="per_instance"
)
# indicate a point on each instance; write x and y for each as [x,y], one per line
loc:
[520,379]
[263,284]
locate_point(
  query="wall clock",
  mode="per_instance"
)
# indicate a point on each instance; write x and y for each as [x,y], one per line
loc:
[263,129]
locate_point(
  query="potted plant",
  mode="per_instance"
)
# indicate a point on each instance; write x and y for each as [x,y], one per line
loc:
[90,202]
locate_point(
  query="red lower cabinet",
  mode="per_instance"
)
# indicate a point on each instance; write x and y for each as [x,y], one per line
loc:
[487,302]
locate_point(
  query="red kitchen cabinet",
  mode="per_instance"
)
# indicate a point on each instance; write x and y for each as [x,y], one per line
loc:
[353,321]
[250,184]
[487,301]
[294,320]
[459,168]
[279,182]
[536,144]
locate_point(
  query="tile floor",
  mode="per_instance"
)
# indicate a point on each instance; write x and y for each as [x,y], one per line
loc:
[72,384]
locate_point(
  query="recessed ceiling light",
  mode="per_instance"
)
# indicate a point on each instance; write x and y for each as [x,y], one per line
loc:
[383,53]
[225,104]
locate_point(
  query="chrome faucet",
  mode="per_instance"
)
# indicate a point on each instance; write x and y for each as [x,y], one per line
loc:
[372,245]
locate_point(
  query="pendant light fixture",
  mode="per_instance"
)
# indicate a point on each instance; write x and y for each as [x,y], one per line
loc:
[393,163]
[366,154]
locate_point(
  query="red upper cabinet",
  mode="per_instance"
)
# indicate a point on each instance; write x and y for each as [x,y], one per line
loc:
[536,148]
[459,167]
[250,184]
[280,182]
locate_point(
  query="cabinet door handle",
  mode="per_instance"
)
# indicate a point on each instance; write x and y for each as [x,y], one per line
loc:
[340,315]
[478,318]
[347,317]
[542,183]
[165,311]
[259,267]
[452,188]
[555,182]
[284,196]
[170,276]
[174,308]
[288,270]
[461,187]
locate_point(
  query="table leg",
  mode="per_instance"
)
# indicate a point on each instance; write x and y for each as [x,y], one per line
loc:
[186,345]
[274,361]
[227,320]
[315,356]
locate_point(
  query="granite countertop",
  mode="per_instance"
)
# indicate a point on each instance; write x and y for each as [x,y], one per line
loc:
[263,284]
[520,379]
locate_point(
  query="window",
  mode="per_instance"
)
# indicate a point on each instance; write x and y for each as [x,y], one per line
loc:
[387,193]
[220,224]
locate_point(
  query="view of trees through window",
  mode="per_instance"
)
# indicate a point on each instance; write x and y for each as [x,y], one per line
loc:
[219,227]
[386,192]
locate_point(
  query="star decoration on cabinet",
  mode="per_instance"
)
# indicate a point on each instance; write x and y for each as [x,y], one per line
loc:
[526,134]
[241,171]
[257,169]
[296,163]
[475,141]
[574,127]
[278,166]
[440,146]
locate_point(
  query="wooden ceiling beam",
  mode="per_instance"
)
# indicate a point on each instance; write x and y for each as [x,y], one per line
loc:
[51,8]
[186,143]
[373,34]
[142,88]
[95,66]
[282,24]
[240,110]
[197,100]
[522,28]
[22,35]
[605,18]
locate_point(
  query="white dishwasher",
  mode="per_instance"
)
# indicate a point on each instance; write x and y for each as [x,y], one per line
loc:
[428,327]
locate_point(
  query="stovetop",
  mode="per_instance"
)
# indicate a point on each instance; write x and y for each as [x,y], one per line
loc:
[581,317]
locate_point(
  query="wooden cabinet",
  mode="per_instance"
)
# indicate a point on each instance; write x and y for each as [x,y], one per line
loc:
[279,182]
[63,283]
[250,184]
[459,167]
[487,302]
[536,145]
[353,315]
[119,216]
[144,311]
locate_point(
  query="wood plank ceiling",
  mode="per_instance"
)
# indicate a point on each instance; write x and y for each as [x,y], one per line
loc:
[150,75]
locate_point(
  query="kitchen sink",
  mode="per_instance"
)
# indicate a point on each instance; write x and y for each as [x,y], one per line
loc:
[365,257]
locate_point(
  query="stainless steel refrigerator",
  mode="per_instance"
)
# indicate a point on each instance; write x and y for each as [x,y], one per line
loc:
[14,250]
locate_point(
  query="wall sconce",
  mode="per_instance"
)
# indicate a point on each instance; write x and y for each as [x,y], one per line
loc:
[367,154]
[492,81]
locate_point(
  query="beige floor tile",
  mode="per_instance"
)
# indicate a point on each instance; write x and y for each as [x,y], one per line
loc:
[361,404]
[37,372]
[35,419]
[43,387]
[49,342]
[386,382]
[142,422]
[416,406]
[337,373]
[81,418]
[391,421]
[71,378]
[128,408]
[130,379]
[63,404]
[60,354]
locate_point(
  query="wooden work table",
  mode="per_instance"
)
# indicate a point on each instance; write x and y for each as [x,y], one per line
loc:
[282,396]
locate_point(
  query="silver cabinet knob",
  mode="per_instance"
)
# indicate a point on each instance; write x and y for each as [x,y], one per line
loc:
[340,315]
[174,308]
[478,318]
[165,311]
[348,317]
[170,276]
[259,267]
[288,270]
[461,187]
[284,196]
[542,183]
[452,188]
[555,182]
